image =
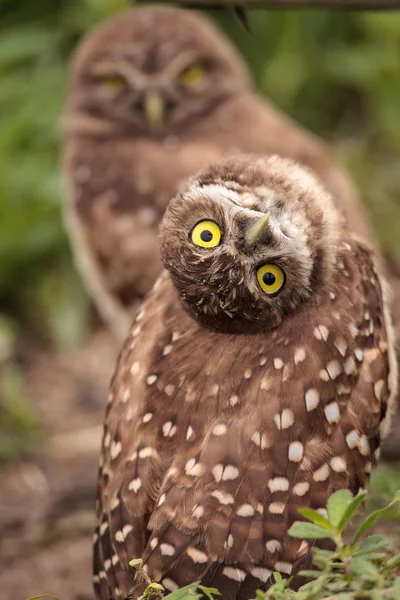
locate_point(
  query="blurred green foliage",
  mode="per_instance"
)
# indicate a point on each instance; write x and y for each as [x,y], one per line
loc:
[337,73]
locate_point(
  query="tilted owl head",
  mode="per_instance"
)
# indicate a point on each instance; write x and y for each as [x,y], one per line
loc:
[248,241]
[154,71]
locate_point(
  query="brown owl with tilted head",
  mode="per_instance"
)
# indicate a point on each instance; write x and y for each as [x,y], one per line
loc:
[156,94]
[257,378]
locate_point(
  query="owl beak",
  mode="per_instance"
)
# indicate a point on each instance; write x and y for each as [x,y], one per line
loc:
[154,110]
[255,234]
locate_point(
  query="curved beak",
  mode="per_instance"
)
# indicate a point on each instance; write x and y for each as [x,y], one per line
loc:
[255,234]
[154,110]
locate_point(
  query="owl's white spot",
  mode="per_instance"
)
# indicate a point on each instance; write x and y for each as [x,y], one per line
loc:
[196,555]
[151,379]
[170,585]
[198,512]
[135,368]
[102,575]
[247,374]
[230,472]
[233,400]
[115,559]
[147,417]
[299,355]
[304,548]
[126,396]
[350,365]
[283,567]
[193,468]
[233,573]
[260,508]
[103,527]
[167,349]
[246,510]
[167,549]
[119,536]
[95,538]
[116,448]
[332,296]
[338,464]
[312,399]
[217,472]
[342,389]
[276,508]
[334,369]
[332,412]
[107,564]
[263,361]
[169,429]
[260,440]
[296,450]
[95,579]
[321,474]
[126,530]
[363,445]
[220,429]
[285,419]
[301,488]
[323,374]
[169,389]
[368,467]
[139,316]
[353,330]
[352,439]
[323,512]
[176,336]
[189,433]
[359,354]
[222,497]
[147,452]
[278,363]
[377,454]
[135,485]
[229,542]
[162,499]
[273,546]
[107,440]
[261,573]
[278,484]
[136,331]
[214,389]
[341,346]
[378,389]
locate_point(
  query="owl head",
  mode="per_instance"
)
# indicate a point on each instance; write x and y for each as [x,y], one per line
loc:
[248,241]
[154,71]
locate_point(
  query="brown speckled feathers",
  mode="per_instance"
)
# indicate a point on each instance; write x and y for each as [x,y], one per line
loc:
[214,440]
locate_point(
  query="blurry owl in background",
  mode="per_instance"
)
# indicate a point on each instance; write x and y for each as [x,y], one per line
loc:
[156,94]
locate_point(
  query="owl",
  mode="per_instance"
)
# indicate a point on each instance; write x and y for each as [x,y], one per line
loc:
[257,379]
[155,95]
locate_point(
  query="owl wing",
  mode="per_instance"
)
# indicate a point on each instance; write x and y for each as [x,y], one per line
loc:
[223,511]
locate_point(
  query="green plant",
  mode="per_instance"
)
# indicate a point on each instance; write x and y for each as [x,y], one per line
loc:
[363,568]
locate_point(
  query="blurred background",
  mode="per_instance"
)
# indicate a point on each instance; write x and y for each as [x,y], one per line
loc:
[337,73]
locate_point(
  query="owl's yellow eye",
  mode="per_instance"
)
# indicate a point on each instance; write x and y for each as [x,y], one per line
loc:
[192,74]
[206,234]
[114,82]
[271,278]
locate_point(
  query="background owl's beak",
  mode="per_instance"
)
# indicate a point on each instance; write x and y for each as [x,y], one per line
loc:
[154,110]
[256,232]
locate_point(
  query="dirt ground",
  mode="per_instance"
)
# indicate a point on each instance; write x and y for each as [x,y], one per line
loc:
[47,497]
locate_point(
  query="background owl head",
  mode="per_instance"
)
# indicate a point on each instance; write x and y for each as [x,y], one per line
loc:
[154,70]
[248,241]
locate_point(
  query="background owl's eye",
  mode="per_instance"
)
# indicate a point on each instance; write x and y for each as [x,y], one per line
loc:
[270,278]
[192,74]
[114,82]
[206,234]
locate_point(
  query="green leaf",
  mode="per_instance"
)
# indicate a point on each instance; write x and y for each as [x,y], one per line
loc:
[308,531]
[364,568]
[396,588]
[337,504]
[372,542]
[190,592]
[392,563]
[310,574]
[209,592]
[372,518]
[316,517]
[350,510]
[44,596]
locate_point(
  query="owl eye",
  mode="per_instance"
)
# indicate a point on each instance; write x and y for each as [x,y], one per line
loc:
[271,278]
[206,234]
[192,74]
[114,82]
